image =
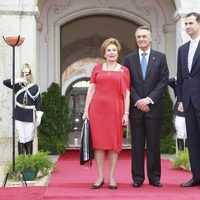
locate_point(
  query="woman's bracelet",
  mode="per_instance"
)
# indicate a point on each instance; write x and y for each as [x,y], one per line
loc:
[126,113]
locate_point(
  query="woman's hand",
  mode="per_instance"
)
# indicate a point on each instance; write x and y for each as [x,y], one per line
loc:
[85,116]
[125,119]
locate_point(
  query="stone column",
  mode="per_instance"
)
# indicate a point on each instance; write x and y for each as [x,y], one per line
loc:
[17,18]
[169,31]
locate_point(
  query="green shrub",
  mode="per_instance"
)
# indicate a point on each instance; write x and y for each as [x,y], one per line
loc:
[54,145]
[168,144]
[55,124]
[167,137]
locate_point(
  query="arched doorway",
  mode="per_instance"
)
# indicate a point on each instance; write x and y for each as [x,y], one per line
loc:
[81,53]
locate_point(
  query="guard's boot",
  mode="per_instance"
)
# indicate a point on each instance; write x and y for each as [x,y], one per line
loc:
[180,143]
[20,148]
[29,147]
[186,142]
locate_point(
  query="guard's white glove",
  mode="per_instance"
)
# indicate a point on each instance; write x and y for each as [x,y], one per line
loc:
[19,80]
[38,117]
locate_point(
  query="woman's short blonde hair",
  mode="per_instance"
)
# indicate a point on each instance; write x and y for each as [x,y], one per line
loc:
[108,42]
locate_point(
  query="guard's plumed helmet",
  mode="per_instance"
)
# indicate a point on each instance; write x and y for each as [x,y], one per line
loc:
[26,72]
[26,69]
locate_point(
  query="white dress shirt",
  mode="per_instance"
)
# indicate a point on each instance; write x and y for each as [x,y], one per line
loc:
[192,49]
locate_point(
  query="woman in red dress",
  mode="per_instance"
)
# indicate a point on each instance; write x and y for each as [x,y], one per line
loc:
[107,108]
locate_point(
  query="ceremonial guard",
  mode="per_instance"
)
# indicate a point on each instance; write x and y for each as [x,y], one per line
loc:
[27,113]
[179,120]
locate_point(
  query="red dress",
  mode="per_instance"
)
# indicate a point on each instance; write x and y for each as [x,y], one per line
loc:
[107,107]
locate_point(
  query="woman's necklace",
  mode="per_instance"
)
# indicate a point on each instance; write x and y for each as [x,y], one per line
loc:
[111,69]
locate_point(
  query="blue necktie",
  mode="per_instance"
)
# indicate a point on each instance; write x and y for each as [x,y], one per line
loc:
[144,65]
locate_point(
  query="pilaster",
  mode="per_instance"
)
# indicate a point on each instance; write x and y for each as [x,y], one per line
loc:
[169,31]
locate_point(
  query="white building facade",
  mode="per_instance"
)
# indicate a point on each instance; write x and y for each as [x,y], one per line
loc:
[62,39]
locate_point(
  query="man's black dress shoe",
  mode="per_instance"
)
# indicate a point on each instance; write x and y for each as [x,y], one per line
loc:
[190,183]
[156,183]
[97,186]
[137,184]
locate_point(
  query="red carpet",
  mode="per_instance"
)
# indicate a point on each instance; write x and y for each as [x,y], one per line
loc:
[74,181]
[22,193]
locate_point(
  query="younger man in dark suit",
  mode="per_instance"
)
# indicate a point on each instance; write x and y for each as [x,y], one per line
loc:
[188,92]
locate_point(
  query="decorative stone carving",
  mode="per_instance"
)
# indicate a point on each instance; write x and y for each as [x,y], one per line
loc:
[58,8]
[105,3]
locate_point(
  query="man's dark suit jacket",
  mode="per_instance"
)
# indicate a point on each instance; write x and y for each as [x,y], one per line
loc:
[188,83]
[154,85]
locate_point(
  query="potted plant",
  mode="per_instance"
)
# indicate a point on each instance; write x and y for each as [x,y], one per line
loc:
[30,165]
[182,161]
[55,124]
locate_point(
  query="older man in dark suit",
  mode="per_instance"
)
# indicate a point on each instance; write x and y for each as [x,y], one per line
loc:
[149,77]
[188,92]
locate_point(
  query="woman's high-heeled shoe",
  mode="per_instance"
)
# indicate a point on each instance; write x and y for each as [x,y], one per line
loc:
[97,186]
[112,187]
